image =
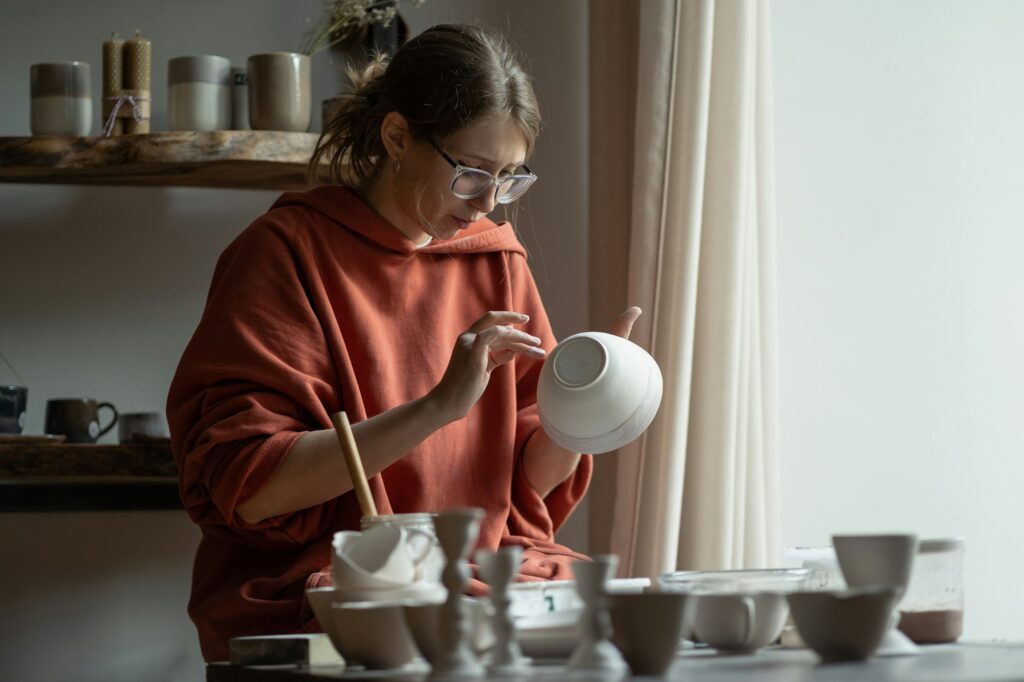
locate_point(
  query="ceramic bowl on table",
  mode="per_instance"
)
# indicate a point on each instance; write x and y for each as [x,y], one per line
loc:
[598,392]
[339,613]
[845,625]
[373,634]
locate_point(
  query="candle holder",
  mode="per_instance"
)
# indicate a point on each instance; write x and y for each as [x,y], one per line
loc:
[497,569]
[457,531]
[595,652]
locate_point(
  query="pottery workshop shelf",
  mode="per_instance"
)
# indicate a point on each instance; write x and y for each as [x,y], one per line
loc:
[233,159]
[66,477]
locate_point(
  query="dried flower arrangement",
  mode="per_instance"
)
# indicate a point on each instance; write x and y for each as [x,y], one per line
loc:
[346,20]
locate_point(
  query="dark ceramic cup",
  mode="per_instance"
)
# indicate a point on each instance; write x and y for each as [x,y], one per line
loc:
[78,419]
[13,405]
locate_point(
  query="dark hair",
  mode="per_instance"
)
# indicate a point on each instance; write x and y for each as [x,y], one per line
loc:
[440,81]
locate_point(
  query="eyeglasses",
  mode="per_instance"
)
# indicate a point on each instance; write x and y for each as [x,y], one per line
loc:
[469,183]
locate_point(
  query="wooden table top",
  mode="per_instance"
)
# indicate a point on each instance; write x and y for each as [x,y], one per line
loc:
[940,663]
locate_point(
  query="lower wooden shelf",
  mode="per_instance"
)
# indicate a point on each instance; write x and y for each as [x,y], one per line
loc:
[72,477]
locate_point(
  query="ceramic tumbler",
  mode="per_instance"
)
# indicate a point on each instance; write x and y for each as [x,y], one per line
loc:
[142,426]
[199,93]
[280,93]
[61,99]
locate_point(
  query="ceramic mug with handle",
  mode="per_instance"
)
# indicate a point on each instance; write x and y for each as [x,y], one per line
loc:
[78,419]
[741,622]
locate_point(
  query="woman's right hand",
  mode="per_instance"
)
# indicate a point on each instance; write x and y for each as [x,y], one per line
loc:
[490,342]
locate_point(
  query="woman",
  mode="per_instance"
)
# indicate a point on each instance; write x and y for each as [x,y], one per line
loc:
[389,295]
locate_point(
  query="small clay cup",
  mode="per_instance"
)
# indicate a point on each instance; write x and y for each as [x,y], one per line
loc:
[648,628]
[845,625]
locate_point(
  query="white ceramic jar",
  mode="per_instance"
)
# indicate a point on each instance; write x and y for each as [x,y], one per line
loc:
[199,93]
[61,99]
[598,392]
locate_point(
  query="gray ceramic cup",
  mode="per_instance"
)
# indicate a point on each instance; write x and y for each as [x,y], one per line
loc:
[141,426]
[280,92]
[61,99]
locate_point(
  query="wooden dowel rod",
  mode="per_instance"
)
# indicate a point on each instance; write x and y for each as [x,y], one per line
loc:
[355,464]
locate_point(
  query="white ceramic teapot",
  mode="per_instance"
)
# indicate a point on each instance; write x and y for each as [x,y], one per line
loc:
[598,392]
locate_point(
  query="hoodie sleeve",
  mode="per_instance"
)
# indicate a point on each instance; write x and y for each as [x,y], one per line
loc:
[252,380]
[532,516]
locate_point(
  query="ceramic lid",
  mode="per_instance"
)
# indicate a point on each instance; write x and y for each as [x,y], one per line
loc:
[203,68]
[70,79]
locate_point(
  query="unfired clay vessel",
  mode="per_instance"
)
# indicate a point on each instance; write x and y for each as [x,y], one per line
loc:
[648,629]
[598,392]
[372,633]
[845,625]
[868,560]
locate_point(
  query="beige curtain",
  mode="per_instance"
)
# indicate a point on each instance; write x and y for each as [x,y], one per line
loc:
[681,221]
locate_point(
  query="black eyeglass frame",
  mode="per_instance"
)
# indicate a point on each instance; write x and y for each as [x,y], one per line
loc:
[461,169]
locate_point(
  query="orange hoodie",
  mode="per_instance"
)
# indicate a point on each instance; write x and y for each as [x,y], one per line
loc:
[322,305]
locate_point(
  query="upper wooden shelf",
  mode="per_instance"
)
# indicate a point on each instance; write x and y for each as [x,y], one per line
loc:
[237,159]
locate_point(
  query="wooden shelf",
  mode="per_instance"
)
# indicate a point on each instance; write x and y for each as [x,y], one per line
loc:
[236,159]
[72,477]
[64,460]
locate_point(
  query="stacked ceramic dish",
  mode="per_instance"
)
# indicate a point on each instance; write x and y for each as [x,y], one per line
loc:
[377,573]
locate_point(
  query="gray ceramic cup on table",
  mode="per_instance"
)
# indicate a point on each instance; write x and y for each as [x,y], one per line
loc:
[78,419]
[280,91]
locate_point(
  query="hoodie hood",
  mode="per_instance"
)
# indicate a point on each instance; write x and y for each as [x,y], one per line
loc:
[343,206]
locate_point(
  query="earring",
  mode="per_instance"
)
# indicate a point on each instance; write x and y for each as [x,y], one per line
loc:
[396,164]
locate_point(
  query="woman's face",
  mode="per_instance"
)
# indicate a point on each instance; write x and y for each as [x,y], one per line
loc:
[424,179]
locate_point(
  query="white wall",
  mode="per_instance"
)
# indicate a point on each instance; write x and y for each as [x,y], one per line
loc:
[899,175]
[100,288]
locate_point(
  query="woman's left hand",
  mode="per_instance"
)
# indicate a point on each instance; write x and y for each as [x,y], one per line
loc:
[624,324]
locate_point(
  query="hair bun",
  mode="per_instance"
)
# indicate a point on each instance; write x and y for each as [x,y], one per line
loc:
[367,82]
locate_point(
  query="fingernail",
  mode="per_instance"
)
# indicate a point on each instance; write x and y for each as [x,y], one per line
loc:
[524,317]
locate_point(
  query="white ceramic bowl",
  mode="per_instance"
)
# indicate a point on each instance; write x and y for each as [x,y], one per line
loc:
[598,392]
